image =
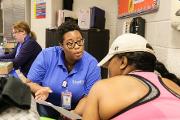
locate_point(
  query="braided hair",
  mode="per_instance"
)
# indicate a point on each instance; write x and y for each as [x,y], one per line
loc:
[147,62]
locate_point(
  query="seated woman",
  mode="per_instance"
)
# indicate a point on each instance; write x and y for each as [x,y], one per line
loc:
[26,49]
[64,74]
[134,90]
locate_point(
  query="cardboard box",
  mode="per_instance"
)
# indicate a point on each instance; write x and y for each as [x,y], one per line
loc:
[5,67]
[84,18]
[10,45]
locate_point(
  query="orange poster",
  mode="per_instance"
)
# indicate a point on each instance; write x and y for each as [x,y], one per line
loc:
[127,8]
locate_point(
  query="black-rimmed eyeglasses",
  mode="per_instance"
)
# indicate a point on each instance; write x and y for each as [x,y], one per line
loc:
[15,32]
[71,44]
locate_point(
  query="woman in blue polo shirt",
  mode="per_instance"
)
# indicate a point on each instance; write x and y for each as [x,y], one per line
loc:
[63,75]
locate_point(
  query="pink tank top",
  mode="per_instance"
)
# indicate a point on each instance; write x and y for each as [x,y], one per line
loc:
[165,107]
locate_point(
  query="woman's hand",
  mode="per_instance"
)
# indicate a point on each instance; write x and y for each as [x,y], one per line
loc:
[42,93]
[66,118]
[80,106]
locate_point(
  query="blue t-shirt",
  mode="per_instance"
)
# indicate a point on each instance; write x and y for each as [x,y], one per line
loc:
[49,70]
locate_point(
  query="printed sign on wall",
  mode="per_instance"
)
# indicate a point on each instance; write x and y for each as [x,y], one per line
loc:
[127,8]
[39,9]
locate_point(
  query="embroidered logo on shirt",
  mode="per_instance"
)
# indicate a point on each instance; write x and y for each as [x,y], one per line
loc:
[78,82]
[116,48]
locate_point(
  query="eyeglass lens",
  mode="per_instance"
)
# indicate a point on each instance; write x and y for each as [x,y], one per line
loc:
[71,44]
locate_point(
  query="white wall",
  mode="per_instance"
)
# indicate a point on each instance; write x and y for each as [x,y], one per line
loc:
[39,25]
[159,32]
[110,7]
[164,39]
[28,11]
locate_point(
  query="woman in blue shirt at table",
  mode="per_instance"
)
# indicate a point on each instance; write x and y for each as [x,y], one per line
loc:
[26,49]
[63,75]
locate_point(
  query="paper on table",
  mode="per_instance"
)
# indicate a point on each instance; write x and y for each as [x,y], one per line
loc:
[61,110]
[21,76]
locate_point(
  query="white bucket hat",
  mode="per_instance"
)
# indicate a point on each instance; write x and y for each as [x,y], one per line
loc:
[126,43]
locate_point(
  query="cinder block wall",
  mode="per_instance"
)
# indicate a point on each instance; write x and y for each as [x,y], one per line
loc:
[110,7]
[164,39]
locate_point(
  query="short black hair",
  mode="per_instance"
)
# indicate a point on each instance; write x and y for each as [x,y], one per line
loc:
[65,27]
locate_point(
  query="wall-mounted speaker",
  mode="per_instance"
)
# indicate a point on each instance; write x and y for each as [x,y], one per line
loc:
[97,44]
[68,5]
[137,26]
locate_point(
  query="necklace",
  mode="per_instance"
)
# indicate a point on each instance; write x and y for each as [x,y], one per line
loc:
[70,66]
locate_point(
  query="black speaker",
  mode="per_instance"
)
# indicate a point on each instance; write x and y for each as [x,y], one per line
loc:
[97,44]
[97,18]
[52,37]
[68,4]
[137,26]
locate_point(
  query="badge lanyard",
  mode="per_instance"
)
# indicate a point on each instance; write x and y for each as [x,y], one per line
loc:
[66,96]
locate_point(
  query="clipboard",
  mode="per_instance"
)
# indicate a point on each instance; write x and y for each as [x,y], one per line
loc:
[61,110]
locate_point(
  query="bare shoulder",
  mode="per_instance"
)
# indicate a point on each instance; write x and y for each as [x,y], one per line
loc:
[116,93]
[99,85]
[123,79]
[103,84]
[171,85]
[120,83]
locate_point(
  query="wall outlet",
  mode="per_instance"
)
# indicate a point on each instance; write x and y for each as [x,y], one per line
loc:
[126,27]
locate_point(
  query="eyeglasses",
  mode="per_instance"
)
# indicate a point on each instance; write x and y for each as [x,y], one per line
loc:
[15,32]
[71,44]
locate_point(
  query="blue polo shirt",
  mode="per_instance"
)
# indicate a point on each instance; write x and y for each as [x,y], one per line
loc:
[49,70]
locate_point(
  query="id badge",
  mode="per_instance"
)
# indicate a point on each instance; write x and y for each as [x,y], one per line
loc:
[66,97]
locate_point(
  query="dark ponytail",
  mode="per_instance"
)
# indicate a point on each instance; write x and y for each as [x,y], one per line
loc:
[165,73]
